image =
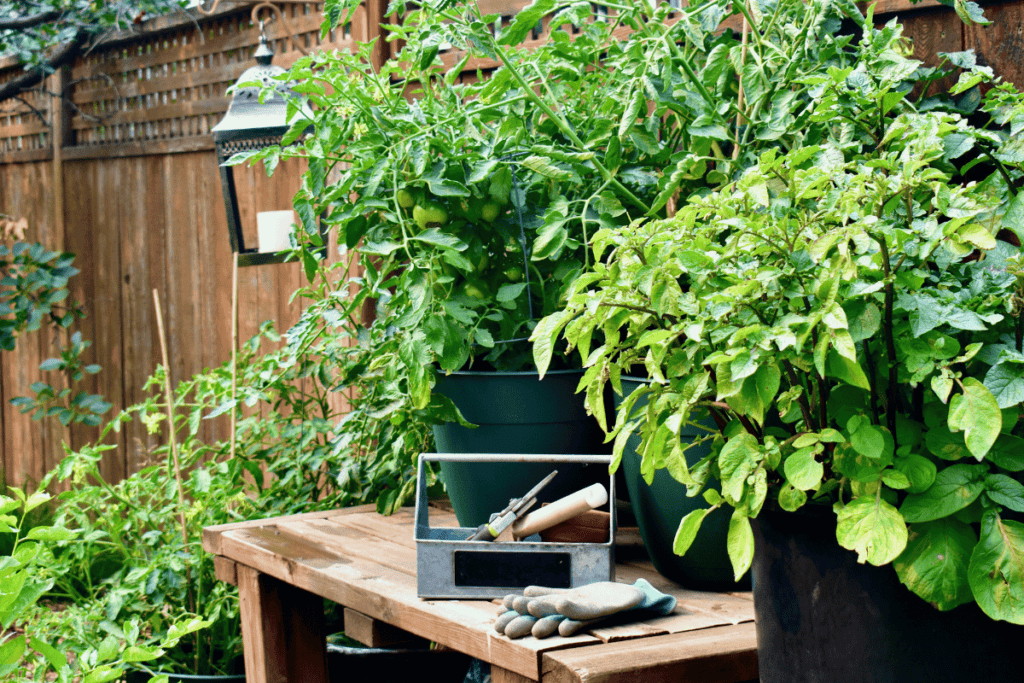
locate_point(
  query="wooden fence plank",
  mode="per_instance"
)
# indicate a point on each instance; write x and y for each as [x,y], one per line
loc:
[7,459]
[80,209]
[109,330]
[1001,44]
[215,274]
[23,438]
[48,200]
[144,225]
[25,156]
[30,126]
[137,148]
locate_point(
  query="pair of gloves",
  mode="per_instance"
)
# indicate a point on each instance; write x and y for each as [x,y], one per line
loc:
[542,611]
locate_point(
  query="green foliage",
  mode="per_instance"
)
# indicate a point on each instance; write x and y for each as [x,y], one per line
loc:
[137,566]
[470,206]
[33,287]
[30,30]
[26,576]
[846,303]
[132,570]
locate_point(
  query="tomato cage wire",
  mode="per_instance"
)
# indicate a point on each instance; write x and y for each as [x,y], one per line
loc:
[522,241]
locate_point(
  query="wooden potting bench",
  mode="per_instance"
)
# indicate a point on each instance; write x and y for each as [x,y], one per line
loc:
[357,558]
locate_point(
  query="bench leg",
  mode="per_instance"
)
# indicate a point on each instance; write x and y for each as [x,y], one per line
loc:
[282,630]
[500,675]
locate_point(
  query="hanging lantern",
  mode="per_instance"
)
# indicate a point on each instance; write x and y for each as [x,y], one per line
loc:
[251,125]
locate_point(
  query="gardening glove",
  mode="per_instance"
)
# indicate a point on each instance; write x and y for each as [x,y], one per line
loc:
[542,611]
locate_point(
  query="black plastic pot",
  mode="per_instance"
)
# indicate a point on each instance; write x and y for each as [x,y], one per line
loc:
[660,506]
[362,664]
[516,412]
[823,618]
[395,666]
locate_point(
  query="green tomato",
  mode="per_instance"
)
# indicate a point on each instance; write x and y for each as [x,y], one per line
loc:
[405,198]
[429,214]
[514,274]
[475,289]
[489,211]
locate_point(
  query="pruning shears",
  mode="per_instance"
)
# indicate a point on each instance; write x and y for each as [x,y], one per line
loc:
[515,509]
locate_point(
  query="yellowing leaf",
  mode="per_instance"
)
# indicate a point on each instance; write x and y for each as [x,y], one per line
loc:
[872,528]
[976,413]
[934,565]
[976,234]
[740,543]
[996,572]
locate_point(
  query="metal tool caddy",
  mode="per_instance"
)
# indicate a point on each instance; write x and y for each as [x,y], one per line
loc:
[449,566]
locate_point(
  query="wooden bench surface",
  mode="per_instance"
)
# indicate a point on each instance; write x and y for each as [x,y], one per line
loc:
[367,563]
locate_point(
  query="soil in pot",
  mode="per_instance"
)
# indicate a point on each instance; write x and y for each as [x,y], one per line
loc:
[660,506]
[516,412]
[821,617]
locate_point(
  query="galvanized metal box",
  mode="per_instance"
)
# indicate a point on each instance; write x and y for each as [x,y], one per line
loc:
[449,566]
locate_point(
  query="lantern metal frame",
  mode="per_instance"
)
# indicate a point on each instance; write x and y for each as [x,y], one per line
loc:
[250,125]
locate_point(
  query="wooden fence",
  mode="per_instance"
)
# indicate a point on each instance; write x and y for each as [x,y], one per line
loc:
[121,172]
[134,191]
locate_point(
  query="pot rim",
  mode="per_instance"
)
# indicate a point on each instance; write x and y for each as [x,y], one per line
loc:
[210,678]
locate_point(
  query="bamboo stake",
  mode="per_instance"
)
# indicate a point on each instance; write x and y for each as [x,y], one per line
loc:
[170,416]
[174,456]
[234,352]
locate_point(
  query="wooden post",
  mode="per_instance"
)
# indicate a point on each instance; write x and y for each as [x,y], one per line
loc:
[282,630]
[376,16]
[61,134]
[500,675]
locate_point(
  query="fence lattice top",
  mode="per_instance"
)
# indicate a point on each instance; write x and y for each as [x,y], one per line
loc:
[163,84]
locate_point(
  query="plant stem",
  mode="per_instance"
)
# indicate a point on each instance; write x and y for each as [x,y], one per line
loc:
[749,426]
[917,403]
[823,390]
[559,121]
[1003,172]
[890,342]
[801,400]
[872,395]
[1020,327]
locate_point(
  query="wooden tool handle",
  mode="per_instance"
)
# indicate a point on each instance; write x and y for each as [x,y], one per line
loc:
[565,508]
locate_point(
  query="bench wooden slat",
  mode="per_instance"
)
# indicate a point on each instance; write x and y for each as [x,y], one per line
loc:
[724,654]
[212,534]
[376,633]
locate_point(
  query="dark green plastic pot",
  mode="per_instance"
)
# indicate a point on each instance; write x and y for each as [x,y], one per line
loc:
[660,506]
[515,412]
